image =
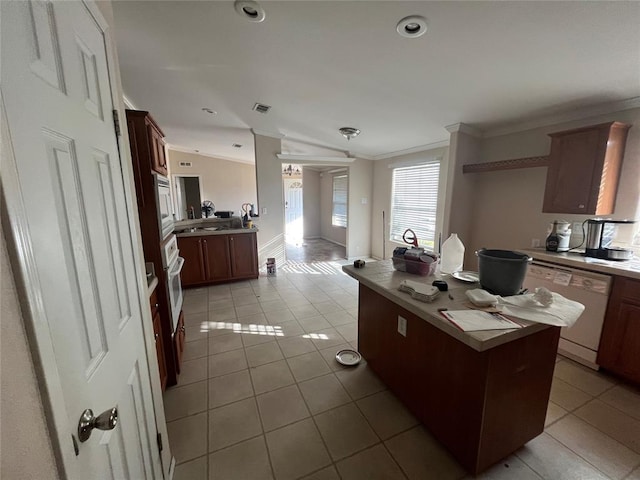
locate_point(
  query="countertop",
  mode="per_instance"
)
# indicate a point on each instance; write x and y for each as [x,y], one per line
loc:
[227,231]
[384,280]
[152,283]
[625,268]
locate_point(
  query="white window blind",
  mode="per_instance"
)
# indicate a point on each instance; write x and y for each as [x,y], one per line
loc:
[339,213]
[414,202]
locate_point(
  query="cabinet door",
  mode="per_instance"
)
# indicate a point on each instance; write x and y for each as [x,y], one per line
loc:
[162,365]
[571,186]
[216,257]
[620,340]
[156,144]
[193,271]
[244,257]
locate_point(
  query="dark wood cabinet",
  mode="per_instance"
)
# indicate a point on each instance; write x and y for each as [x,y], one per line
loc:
[157,334]
[481,405]
[244,256]
[619,350]
[218,258]
[584,169]
[147,155]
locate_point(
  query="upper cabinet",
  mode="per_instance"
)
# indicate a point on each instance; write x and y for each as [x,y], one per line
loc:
[150,144]
[584,169]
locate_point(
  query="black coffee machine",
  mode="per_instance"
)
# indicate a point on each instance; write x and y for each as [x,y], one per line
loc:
[598,244]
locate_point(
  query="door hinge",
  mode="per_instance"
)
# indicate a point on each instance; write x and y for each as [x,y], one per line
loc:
[159,440]
[116,122]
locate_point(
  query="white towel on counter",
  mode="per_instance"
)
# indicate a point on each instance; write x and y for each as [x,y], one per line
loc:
[562,312]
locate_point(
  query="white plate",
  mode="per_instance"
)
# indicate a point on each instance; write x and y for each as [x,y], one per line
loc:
[466,276]
[348,357]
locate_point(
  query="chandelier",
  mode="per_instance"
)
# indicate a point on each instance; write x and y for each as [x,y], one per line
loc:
[291,170]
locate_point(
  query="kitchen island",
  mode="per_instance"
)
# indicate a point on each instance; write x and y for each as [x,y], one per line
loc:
[481,394]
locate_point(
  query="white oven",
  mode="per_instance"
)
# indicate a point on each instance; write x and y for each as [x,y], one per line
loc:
[165,206]
[172,264]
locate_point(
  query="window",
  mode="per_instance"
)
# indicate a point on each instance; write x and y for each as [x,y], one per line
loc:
[414,202]
[339,212]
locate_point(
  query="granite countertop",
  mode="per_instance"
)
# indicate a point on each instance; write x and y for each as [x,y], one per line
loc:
[384,280]
[624,268]
[225,231]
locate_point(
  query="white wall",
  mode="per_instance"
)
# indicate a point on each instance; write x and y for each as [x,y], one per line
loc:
[227,184]
[311,202]
[328,231]
[26,448]
[507,207]
[381,196]
[360,192]
[269,184]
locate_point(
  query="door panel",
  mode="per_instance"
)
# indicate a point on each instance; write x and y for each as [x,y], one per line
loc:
[55,86]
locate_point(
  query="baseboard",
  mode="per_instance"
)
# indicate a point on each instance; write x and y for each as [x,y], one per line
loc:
[333,241]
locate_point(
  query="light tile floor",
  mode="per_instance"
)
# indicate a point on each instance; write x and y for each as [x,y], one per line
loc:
[262,397]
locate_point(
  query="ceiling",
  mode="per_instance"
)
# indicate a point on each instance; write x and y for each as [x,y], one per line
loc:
[322,65]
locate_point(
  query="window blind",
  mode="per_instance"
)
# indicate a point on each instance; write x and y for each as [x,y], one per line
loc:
[339,213]
[414,202]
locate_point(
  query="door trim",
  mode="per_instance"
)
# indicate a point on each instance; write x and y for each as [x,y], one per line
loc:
[21,257]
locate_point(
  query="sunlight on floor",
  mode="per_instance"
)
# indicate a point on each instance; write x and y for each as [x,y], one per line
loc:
[272,330]
[318,268]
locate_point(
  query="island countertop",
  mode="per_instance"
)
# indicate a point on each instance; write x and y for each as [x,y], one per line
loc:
[383,279]
[199,232]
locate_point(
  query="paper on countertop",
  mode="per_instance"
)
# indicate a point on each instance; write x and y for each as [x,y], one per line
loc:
[561,313]
[475,320]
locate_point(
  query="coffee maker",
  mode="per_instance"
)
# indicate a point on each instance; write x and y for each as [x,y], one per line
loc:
[599,237]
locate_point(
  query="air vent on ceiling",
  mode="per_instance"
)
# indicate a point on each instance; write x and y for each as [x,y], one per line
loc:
[236,145]
[261,107]
[186,164]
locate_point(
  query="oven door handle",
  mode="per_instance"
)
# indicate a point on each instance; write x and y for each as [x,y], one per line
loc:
[178,267]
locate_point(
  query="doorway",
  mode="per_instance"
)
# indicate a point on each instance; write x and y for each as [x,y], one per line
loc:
[188,196]
[294,230]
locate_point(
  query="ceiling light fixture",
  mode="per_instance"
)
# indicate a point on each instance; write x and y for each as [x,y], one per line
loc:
[412,26]
[349,132]
[250,10]
[210,111]
[292,170]
[236,145]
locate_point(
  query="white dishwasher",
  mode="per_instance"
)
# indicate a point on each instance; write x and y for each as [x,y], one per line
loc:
[580,342]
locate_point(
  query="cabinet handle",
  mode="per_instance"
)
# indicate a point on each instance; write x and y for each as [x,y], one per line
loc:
[182,329]
[156,305]
[156,336]
[581,205]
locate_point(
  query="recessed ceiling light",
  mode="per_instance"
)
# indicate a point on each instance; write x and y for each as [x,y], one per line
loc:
[250,10]
[349,132]
[412,26]
[210,111]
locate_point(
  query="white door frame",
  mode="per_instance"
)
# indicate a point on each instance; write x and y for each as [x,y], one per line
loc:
[174,186]
[28,283]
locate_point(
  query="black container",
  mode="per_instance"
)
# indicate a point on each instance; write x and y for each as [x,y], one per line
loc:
[502,272]
[224,214]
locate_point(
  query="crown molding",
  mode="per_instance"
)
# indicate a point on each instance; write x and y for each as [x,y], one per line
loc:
[285,157]
[128,103]
[463,128]
[265,133]
[178,148]
[573,115]
[407,151]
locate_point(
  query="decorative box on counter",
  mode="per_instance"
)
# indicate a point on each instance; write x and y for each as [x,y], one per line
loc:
[417,261]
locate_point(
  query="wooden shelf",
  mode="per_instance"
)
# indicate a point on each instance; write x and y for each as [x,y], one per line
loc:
[528,162]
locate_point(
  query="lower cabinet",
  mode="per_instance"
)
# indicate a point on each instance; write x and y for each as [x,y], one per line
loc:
[619,350]
[179,339]
[218,258]
[157,334]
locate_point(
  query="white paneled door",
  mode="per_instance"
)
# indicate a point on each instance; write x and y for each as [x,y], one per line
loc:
[293,209]
[57,100]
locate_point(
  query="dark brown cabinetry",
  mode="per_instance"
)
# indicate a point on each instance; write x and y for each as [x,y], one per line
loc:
[619,349]
[157,334]
[584,169]
[481,405]
[218,258]
[147,156]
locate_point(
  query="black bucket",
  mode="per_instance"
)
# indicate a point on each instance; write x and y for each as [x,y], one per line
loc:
[502,272]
